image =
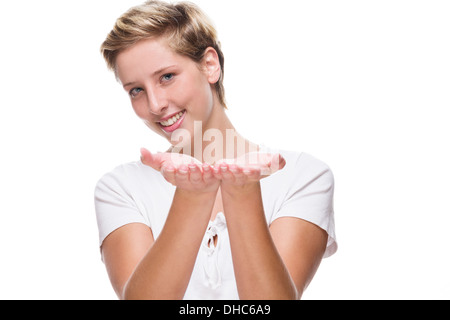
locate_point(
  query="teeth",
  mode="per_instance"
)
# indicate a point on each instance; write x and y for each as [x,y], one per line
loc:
[172,120]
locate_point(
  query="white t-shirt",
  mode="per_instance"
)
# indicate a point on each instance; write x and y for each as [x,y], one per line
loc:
[135,193]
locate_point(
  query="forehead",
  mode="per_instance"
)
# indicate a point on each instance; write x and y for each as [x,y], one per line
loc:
[146,57]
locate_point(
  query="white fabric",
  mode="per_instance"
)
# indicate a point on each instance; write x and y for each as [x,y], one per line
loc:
[135,193]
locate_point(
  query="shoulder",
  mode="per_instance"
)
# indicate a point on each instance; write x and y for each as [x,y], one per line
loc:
[127,194]
[302,168]
[303,160]
[128,177]
[304,189]
[309,168]
[131,171]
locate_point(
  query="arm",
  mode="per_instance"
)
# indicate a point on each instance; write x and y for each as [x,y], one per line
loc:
[259,269]
[301,244]
[275,263]
[166,268]
[141,268]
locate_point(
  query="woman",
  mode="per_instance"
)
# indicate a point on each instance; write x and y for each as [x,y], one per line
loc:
[187,223]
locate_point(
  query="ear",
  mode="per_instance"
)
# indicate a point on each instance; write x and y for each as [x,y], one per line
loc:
[211,64]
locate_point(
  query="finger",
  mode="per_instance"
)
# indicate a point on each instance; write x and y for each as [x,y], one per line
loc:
[207,172]
[252,173]
[146,156]
[168,173]
[277,162]
[216,172]
[182,175]
[226,174]
[150,160]
[239,177]
[195,174]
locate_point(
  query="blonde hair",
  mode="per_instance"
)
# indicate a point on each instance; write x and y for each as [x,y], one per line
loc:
[187,28]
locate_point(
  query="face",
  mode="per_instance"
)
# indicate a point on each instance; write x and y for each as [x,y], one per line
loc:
[168,91]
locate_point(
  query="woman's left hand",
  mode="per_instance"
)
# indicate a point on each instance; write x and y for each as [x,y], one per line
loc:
[248,169]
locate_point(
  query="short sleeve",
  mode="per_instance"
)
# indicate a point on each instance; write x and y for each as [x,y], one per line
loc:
[309,197]
[114,205]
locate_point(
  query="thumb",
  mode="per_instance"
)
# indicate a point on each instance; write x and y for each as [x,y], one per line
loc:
[277,162]
[149,159]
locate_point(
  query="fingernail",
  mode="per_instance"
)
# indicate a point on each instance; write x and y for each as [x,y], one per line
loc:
[183,170]
[223,169]
[234,169]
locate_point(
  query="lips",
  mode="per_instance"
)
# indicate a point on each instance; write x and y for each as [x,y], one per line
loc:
[173,122]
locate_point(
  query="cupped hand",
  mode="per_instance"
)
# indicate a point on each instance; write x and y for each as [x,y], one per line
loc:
[249,168]
[182,171]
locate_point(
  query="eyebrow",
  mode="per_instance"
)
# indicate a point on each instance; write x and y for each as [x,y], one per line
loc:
[157,72]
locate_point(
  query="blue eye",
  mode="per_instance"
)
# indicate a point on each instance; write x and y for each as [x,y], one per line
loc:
[167,77]
[134,92]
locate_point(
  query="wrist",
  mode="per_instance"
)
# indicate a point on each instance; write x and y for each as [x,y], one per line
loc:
[197,195]
[240,191]
[191,204]
[243,203]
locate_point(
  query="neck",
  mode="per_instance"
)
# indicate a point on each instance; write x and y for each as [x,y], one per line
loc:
[218,139]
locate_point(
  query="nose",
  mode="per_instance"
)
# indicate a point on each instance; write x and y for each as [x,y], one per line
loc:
[157,101]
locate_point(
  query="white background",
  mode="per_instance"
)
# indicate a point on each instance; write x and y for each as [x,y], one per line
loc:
[361,85]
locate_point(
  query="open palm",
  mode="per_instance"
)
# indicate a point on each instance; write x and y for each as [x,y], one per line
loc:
[182,170]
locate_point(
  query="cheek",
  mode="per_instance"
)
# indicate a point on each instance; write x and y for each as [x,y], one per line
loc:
[156,128]
[197,96]
[142,113]
[138,108]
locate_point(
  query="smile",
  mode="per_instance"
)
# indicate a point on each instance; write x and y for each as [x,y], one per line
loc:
[174,122]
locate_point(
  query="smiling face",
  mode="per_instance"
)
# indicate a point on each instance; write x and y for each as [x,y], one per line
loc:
[167,90]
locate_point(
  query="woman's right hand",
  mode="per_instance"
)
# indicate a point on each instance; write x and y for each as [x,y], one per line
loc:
[182,171]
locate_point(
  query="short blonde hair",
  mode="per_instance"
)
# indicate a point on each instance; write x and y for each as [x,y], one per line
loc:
[187,28]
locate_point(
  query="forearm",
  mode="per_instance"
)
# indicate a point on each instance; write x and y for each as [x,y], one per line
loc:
[259,270]
[165,270]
